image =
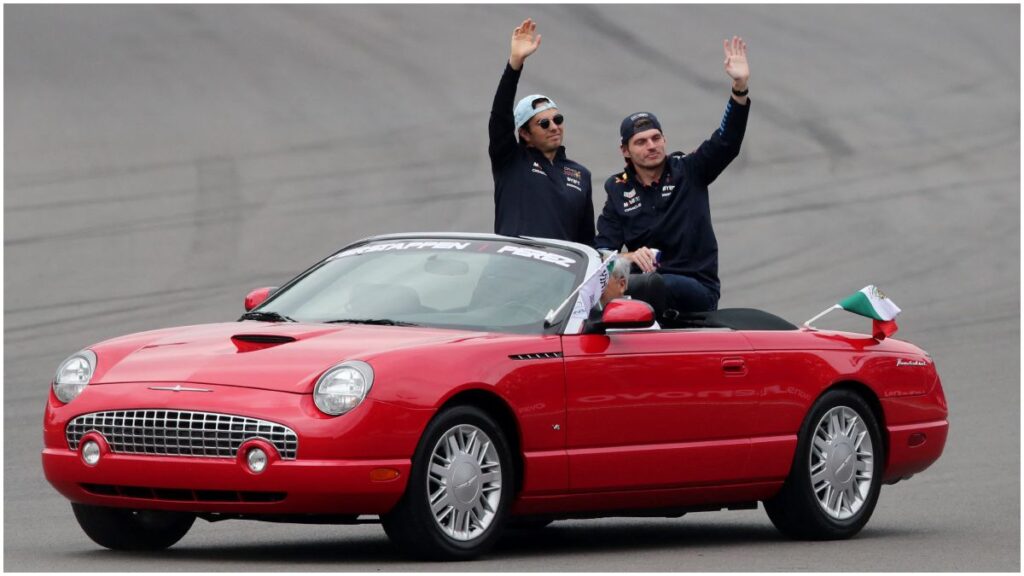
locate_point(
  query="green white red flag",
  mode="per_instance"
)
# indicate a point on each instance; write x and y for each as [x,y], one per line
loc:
[871,302]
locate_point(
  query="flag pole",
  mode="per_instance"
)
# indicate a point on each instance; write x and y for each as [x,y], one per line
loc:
[826,311]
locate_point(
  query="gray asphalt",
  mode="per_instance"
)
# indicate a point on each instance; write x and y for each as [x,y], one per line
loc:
[160,161]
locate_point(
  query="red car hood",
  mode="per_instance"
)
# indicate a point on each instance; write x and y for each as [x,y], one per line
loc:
[238,354]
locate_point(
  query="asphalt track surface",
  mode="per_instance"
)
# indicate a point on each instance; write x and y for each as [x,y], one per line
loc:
[161,161]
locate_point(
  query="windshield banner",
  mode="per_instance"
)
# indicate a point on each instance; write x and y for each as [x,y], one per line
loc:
[514,250]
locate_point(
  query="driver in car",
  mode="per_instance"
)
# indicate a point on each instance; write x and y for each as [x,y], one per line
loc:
[608,284]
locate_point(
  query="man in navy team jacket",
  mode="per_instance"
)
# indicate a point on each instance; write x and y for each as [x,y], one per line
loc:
[537,190]
[661,201]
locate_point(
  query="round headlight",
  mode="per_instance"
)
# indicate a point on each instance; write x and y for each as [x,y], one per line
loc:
[343,387]
[73,375]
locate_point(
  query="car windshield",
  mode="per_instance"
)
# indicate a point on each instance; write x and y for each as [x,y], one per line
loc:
[466,284]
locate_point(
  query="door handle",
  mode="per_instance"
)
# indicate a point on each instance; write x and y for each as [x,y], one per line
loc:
[734,366]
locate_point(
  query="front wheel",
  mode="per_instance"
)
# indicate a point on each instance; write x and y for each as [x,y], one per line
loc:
[459,491]
[126,529]
[836,475]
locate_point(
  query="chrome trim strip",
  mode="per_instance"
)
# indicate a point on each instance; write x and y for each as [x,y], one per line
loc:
[179,388]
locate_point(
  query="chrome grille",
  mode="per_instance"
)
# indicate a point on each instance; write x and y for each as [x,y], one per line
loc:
[180,433]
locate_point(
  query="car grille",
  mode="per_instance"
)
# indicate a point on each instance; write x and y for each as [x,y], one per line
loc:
[180,433]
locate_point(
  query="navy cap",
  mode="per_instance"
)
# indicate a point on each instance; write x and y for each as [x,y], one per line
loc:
[637,122]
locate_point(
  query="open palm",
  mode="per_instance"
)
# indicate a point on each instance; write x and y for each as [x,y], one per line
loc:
[525,41]
[736,59]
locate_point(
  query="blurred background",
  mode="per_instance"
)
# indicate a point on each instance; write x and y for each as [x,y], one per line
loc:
[160,161]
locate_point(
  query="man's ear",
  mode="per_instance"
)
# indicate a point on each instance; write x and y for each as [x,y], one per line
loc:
[625,151]
[524,134]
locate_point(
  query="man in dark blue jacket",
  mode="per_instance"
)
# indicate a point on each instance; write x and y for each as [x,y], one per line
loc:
[661,201]
[537,190]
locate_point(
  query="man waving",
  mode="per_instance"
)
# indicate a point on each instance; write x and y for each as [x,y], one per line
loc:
[537,190]
[661,201]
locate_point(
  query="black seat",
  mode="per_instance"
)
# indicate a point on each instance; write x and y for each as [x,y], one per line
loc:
[734,318]
[651,289]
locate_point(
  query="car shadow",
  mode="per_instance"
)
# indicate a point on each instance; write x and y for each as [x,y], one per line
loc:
[372,548]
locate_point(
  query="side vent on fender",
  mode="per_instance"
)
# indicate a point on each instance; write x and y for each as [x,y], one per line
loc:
[537,356]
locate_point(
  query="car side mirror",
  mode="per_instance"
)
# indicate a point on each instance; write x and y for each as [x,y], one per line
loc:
[621,314]
[258,296]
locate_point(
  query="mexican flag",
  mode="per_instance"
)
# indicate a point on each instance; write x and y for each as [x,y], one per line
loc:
[871,302]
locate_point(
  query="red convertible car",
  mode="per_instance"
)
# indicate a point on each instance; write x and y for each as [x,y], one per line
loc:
[441,383]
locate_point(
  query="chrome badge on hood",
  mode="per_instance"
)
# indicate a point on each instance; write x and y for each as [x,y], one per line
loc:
[179,388]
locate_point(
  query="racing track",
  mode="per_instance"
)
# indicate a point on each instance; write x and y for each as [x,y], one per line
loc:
[161,161]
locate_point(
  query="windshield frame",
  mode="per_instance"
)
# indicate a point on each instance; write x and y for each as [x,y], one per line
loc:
[562,324]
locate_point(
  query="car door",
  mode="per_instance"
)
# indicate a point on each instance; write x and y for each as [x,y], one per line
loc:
[658,408]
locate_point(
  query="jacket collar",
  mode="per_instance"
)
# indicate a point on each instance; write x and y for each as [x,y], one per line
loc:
[666,174]
[559,154]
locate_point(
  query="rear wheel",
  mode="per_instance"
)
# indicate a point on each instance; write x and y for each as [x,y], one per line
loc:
[836,475]
[127,529]
[459,491]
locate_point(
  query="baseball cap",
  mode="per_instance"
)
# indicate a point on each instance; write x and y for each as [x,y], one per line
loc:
[525,110]
[637,122]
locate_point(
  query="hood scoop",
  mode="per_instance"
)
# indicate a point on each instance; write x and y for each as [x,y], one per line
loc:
[253,342]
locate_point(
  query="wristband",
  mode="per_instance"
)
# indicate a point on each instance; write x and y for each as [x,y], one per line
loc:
[736,92]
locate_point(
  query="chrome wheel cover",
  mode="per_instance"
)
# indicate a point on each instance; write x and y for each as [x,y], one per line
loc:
[464,482]
[841,463]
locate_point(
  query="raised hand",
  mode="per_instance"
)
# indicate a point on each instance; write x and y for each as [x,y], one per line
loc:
[524,43]
[736,62]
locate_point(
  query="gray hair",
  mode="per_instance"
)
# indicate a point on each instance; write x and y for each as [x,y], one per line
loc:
[620,268]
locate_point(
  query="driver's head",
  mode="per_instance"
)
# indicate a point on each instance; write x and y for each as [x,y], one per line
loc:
[618,280]
[539,122]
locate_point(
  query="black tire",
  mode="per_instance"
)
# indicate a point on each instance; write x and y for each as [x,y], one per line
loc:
[127,529]
[411,525]
[796,511]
